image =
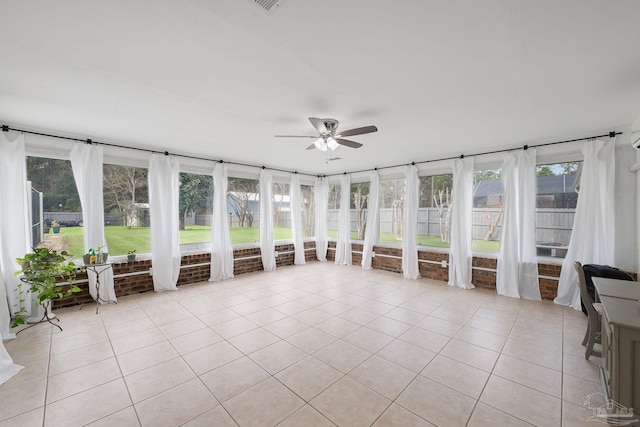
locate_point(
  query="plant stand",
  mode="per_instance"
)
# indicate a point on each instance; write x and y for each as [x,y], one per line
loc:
[47,316]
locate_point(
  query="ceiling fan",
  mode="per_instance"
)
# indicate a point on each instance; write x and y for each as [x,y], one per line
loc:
[328,137]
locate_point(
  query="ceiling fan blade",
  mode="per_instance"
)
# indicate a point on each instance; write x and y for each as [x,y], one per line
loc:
[296,136]
[312,146]
[359,131]
[318,124]
[348,143]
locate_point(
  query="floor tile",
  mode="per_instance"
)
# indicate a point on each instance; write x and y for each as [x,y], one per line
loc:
[253,340]
[146,357]
[78,380]
[308,377]
[217,417]
[337,327]
[286,327]
[543,356]
[387,326]
[367,339]
[18,400]
[407,355]
[426,339]
[440,326]
[342,355]
[311,340]
[80,357]
[470,354]
[576,390]
[456,375]
[382,376]
[88,406]
[212,357]
[396,416]
[436,403]
[277,356]
[233,378]
[522,402]
[176,405]
[156,379]
[264,404]
[306,416]
[537,377]
[233,327]
[182,327]
[138,340]
[349,403]
[126,417]
[485,415]
[481,338]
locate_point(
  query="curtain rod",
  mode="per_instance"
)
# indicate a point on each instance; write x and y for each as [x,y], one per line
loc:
[6,128]
[611,134]
[504,150]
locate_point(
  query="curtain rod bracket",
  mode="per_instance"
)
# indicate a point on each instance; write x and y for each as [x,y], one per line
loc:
[5,128]
[462,156]
[525,148]
[89,141]
[612,134]
[264,167]
[166,153]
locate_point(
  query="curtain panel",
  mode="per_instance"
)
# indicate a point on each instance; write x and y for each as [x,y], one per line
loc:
[267,249]
[321,199]
[517,273]
[343,244]
[295,199]
[221,249]
[460,254]
[410,268]
[87,165]
[593,236]
[372,232]
[15,226]
[164,192]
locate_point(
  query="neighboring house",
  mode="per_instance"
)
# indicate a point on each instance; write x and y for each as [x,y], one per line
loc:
[555,191]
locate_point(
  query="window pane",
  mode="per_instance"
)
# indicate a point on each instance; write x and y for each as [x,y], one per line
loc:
[391,210]
[359,204]
[488,208]
[333,213]
[126,209]
[243,205]
[61,209]
[308,211]
[195,211]
[555,207]
[434,213]
[281,211]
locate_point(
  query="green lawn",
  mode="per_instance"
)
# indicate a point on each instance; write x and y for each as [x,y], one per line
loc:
[123,239]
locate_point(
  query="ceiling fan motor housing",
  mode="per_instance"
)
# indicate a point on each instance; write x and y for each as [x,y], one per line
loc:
[331,125]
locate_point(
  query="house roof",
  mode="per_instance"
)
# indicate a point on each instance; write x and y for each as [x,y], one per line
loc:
[219,79]
[553,184]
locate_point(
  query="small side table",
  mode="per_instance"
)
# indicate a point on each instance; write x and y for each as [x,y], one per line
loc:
[99,269]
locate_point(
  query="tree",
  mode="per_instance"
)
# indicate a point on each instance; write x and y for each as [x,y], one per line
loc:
[54,178]
[443,203]
[360,201]
[240,192]
[196,192]
[124,189]
[487,175]
[544,170]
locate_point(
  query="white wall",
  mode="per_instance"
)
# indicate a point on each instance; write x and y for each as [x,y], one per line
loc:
[626,205]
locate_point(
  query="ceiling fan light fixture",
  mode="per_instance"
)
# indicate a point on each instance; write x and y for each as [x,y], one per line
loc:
[332,144]
[320,144]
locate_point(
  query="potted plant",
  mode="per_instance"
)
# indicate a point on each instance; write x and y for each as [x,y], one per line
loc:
[55,226]
[40,272]
[131,256]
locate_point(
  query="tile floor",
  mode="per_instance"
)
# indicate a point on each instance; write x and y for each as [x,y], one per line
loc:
[314,345]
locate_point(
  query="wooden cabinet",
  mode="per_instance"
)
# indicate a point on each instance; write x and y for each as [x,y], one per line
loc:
[620,371]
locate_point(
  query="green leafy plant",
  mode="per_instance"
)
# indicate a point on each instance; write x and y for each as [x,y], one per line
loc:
[40,272]
[131,252]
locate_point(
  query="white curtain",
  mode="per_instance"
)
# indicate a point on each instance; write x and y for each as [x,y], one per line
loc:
[15,226]
[87,165]
[296,219]
[164,188]
[221,249]
[267,249]
[592,239]
[410,268]
[321,199]
[343,245]
[517,274]
[460,255]
[372,232]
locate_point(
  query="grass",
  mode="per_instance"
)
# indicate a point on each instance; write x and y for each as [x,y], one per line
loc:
[123,239]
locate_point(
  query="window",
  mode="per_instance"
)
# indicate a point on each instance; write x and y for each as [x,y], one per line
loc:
[434,210]
[391,210]
[281,211]
[243,202]
[195,211]
[556,201]
[333,213]
[359,205]
[308,211]
[488,208]
[60,204]
[126,209]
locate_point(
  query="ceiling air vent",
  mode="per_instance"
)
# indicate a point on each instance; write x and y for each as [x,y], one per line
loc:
[266,4]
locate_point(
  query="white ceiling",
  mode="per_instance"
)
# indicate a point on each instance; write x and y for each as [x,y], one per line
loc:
[220,78]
